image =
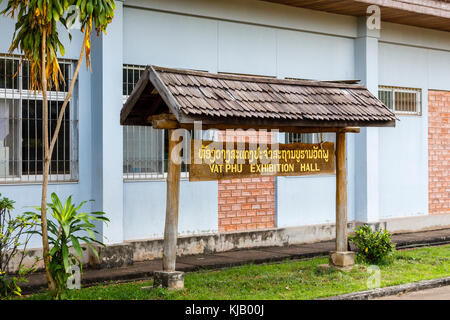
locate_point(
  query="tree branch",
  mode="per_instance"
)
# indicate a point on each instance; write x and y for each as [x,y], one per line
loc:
[68,96]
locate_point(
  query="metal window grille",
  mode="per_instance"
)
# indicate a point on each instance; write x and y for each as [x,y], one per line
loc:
[145,150]
[21,126]
[401,100]
[299,137]
[309,137]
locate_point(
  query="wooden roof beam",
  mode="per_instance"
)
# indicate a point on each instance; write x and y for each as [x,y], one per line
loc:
[168,122]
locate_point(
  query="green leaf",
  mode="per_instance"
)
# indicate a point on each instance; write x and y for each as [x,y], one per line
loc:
[62,49]
[65,253]
[90,233]
[89,8]
[66,229]
[76,246]
[53,250]
[93,249]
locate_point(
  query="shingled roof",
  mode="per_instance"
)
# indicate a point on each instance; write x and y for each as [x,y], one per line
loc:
[224,98]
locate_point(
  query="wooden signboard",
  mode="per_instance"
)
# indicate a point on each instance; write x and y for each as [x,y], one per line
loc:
[212,161]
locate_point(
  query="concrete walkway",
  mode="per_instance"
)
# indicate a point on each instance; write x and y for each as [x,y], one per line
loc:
[144,270]
[442,293]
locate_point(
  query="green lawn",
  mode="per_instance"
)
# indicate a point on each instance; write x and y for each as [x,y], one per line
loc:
[299,279]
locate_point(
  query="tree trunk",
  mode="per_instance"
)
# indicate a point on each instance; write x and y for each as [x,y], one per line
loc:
[46,167]
[48,150]
[69,94]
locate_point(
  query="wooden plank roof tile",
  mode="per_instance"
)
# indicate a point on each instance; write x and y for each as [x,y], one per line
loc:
[219,96]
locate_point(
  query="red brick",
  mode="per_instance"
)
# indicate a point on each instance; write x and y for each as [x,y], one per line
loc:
[236,207]
[225,208]
[241,213]
[235,220]
[231,214]
[256,219]
[230,227]
[261,212]
[256,192]
[236,193]
[241,200]
[438,151]
[247,220]
[251,213]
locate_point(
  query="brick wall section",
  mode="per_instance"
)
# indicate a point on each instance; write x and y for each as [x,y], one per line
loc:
[439,151]
[247,203]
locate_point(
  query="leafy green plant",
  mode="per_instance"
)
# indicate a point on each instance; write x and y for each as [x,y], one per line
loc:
[70,229]
[373,246]
[14,238]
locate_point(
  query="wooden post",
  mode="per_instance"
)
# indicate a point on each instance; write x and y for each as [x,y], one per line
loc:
[168,277]
[341,194]
[341,258]
[172,203]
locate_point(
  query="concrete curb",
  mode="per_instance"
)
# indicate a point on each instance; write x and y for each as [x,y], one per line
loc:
[394,290]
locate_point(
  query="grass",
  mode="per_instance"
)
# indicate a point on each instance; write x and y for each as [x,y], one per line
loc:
[299,279]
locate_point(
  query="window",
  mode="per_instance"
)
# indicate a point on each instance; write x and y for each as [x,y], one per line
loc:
[21,126]
[309,137]
[299,137]
[401,100]
[145,150]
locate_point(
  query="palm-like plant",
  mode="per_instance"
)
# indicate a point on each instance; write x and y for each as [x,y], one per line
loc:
[70,228]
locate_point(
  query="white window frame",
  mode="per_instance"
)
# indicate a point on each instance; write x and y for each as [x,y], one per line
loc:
[313,137]
[21,94]
[146,176]
[394,90]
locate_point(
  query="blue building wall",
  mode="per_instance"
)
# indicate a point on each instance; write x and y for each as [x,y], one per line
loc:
[261,38]
[422,62]
[215,44]
[26,195]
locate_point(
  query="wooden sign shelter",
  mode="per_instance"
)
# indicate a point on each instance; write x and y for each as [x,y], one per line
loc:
[172,98]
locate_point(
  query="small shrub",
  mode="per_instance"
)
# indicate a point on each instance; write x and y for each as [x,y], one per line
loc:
[374,247]
[72,228]
[15,233]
